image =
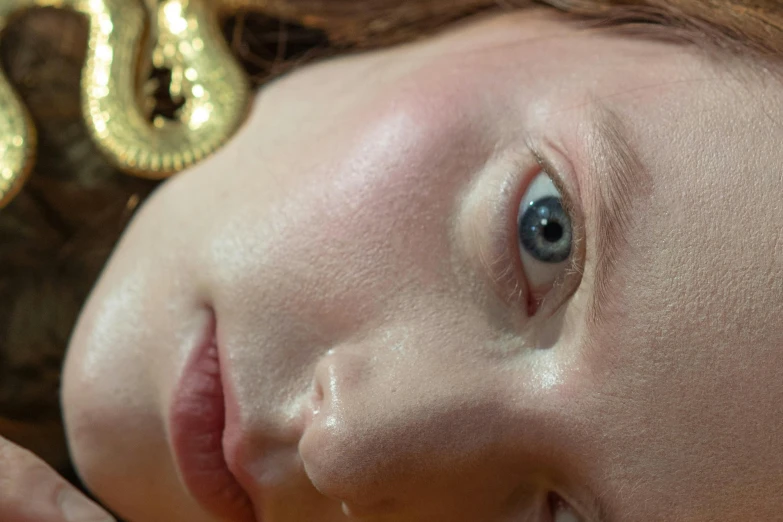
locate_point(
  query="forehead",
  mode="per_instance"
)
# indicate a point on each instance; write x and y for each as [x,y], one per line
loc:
[555,64]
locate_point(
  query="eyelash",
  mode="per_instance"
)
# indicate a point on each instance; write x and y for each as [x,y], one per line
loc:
[572,275]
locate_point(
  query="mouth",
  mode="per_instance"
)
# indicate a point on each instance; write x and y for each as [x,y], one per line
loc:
[197,422]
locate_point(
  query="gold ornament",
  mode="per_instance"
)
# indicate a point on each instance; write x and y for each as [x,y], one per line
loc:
[127,38]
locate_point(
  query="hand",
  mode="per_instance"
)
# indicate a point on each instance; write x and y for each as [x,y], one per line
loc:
[30,491]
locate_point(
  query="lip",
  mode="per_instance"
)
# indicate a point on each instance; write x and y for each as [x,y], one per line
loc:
[197,423]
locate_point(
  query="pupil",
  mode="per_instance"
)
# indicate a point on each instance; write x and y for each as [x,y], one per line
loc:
[553,232]
[545,230]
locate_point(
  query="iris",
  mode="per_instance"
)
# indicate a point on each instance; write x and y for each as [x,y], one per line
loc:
[545,230]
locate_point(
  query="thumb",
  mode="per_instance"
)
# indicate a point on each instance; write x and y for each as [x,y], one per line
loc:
[30,491]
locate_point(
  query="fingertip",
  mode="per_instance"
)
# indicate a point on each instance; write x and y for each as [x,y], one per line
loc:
[31,491]
[76,507]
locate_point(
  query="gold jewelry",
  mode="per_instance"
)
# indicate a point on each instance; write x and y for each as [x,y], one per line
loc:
[127,38]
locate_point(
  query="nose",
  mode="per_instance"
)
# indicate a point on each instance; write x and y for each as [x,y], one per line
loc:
[388,433]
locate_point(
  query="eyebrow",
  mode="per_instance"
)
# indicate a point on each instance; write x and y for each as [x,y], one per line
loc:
[618,180]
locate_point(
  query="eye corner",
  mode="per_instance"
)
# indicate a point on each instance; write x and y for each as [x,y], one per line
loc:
[558,509]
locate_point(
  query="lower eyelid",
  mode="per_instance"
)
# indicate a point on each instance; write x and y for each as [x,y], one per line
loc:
[489,213]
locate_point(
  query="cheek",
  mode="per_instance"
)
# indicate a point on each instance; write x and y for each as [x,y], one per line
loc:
[112,405]
[119,447]
[368,213]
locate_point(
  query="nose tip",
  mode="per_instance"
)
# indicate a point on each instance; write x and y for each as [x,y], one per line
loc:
[338,447]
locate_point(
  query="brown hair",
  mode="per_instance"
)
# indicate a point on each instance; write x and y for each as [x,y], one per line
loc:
[755,25]
[57,234]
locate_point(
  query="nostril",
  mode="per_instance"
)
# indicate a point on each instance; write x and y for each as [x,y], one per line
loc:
[318,396]
[339,376]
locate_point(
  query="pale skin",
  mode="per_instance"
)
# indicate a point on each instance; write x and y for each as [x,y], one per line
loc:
[393,357]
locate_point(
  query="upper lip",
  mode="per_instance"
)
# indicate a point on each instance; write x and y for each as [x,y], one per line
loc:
[197,421]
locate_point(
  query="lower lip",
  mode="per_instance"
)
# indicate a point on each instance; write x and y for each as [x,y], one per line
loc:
[197,423]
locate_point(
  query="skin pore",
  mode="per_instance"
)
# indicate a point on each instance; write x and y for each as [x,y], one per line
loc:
[388,350]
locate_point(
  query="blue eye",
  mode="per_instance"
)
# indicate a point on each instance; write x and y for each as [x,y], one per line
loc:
[545,230]
[545,234]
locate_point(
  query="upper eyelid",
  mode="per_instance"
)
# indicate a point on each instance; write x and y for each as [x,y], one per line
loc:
[556,177]
[569,192]
[573,211]
[596,510]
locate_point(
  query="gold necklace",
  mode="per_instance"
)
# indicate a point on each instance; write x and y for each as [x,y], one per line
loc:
[127,38]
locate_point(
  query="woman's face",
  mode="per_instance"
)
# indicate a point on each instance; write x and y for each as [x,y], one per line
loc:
[413,323]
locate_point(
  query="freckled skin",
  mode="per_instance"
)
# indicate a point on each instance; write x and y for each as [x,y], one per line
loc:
[342,240]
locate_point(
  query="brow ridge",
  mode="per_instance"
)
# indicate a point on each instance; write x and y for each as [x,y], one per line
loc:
[619,181]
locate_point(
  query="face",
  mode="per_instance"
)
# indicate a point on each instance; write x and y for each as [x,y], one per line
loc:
[520,271]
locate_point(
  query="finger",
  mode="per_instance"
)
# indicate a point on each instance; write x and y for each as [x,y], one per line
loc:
[30,491]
